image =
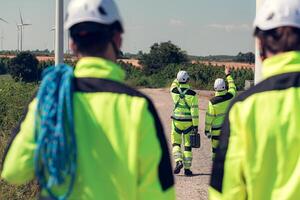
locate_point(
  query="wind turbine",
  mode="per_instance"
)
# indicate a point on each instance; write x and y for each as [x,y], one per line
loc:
[2,34]
[18,37]
[21,27]
[1,19]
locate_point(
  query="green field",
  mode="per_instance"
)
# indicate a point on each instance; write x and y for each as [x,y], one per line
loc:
[13,99]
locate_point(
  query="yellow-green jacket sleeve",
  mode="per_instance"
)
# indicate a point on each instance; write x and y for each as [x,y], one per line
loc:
[18,166]
[209,117]
[231,85]
[174,84]
[155,179]
[195,111]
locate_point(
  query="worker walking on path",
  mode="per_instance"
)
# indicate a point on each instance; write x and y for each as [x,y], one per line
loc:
[258,157]
[94,137]
[217,107]
[185,121]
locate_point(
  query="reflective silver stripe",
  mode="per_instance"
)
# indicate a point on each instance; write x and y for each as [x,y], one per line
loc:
[182,118]
[188,159]
[187,164]
[177,155]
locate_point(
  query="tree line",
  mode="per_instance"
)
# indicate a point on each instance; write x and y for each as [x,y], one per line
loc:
[164,60]
[160,67]
[26,67]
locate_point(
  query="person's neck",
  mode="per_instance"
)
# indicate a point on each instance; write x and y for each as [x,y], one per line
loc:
[97,56]
[108,55]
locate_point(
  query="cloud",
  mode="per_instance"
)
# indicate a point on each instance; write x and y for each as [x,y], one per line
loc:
[231,27]
[176,22]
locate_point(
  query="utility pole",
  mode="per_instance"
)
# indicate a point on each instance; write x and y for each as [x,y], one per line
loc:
[53,30]
[59,32]
[258,64]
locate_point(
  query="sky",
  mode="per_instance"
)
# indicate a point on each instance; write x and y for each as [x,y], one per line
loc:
[200,27]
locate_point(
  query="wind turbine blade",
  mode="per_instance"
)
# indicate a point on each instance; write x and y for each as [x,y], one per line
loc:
[21,16]
[1,19]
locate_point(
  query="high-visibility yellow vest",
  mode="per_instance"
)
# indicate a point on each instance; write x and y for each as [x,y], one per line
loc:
[185,104]
[216,111]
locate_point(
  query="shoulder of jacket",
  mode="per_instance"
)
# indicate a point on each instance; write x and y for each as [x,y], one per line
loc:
[189,91]
[220,99]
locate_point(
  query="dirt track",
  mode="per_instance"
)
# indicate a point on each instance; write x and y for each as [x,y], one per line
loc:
[187,188]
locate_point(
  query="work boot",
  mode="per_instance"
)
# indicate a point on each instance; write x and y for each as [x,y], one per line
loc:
[179,166]
[188,172]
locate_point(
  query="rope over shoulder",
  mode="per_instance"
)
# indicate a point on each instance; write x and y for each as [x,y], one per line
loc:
[56,152]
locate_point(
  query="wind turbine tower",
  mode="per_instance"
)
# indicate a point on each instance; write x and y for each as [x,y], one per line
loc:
[21,27]
[2,34]
[2,38]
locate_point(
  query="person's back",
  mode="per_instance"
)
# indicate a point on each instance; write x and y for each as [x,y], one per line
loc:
[116,126]
[121,153]
[259,154]
[217,107]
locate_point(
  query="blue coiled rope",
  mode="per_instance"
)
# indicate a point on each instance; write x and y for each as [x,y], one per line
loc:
[56,152]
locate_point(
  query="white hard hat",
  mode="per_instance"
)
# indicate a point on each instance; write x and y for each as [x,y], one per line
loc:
[98,11]
[278,13]
[220,84]
[182,77]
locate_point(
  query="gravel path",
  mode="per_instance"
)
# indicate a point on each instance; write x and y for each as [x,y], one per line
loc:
[187,188]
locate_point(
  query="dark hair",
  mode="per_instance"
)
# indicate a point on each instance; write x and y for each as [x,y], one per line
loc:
[93,38]
[279,40]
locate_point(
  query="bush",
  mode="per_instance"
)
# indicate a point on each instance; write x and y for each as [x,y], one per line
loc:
[4,65]
[24,67]
[161,55]
[43,65]
[14,96]
[202,76]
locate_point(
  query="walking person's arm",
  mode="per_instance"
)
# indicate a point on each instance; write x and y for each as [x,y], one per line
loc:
[195,111]
[231,85]
[174,84]
[18,160]
[209,118]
